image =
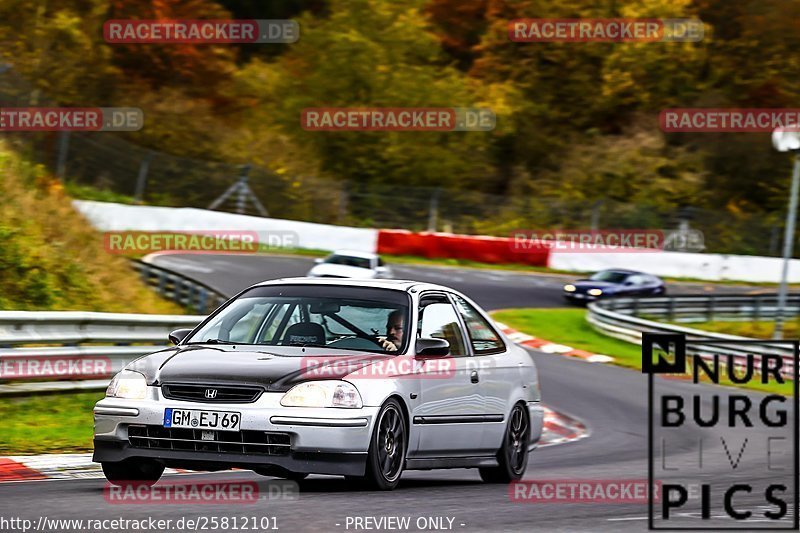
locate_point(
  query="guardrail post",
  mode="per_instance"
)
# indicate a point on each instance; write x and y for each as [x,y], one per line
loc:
[710,310]
[162,283]
[176,290]
[187,293]
[757,308]
[635,309]
[202,300]
[671,309]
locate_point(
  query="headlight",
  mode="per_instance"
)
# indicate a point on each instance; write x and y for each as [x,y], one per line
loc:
[595,292]
[129,385]
[569,288]
[322,394]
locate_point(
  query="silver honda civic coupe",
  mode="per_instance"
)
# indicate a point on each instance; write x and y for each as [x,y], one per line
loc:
[360,378]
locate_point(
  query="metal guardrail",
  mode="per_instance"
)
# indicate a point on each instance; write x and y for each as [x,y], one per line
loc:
[622,318]
[704,308]
[38,347]
[39,343]
[174,286]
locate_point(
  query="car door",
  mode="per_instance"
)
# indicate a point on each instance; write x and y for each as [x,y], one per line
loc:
[631,286]
[653,286]
[499,372]
[449,415]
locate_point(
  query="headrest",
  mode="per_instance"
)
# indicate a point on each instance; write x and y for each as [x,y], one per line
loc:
[305,333]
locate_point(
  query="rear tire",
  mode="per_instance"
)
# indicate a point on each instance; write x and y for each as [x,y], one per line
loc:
[387,449]
[138,471]
[513,454]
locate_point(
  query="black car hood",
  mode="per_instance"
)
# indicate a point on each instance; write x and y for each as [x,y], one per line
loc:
[274,368]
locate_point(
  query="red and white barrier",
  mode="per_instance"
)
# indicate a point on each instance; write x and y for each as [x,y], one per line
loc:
[451,246]
[714,267]
[119,217]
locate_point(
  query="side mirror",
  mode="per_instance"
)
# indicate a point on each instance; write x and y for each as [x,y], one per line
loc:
[318,260]
[432,347]
[178,335]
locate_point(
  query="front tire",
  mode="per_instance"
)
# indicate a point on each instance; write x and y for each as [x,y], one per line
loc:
[513,454]
[387,448]
[138,471]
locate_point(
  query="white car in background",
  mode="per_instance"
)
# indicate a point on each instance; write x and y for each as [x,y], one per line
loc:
[350,264]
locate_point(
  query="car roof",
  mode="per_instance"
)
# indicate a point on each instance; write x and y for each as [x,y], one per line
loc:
[394,284]
[355,253]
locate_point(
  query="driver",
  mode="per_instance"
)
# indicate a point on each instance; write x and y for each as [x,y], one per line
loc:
[394,332]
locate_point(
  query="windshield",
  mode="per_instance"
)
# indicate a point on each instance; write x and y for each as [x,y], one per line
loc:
[610,276]
[347,318]
[348,260]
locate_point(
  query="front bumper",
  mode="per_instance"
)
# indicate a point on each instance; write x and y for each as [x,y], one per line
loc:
[322,440]
[580,296]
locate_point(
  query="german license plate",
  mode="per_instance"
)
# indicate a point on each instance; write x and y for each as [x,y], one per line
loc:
[195,419]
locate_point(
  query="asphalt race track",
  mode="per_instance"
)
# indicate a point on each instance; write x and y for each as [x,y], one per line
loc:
[493,289]
[611,400]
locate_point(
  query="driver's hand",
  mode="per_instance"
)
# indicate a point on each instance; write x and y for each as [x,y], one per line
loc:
[387,345]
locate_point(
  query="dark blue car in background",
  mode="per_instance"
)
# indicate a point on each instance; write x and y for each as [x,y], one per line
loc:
[615,282]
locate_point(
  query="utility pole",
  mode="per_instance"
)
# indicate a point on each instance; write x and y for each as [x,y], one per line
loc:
[787,139]
[433,211]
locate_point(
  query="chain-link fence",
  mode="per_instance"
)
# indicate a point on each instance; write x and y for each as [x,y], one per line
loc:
[109,162]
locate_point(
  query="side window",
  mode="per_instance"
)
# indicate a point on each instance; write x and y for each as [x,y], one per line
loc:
[439,320]
[636,280]
[482,335]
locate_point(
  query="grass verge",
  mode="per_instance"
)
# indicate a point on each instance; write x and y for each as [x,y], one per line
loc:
[47,423]
[761,329]
[569,327]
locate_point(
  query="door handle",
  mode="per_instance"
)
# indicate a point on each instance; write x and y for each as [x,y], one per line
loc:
[474,376]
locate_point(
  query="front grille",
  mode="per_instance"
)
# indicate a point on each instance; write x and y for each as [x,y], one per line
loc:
[223,394]
[185,439]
